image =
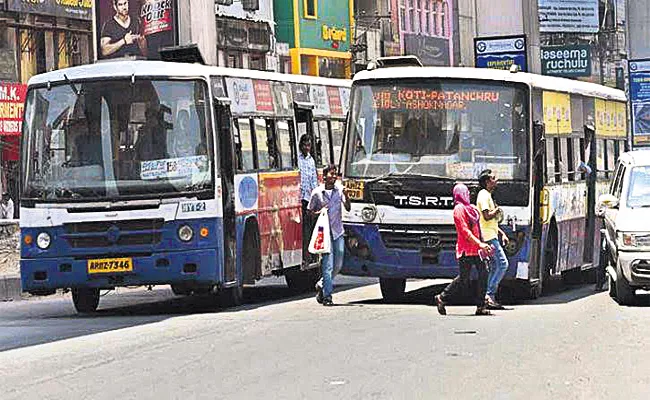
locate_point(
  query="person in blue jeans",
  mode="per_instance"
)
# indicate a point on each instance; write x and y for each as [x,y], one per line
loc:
[490,214]
[330,196]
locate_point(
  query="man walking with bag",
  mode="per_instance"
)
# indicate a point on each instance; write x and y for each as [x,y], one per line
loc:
[330,196]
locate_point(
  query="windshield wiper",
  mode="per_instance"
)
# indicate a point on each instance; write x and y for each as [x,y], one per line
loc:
[72,85]
[409,175]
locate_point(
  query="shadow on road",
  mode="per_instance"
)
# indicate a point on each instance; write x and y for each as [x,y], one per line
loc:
[40,321]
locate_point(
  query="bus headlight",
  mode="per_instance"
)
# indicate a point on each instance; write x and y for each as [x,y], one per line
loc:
[43,240]
[185,233]
[369,213]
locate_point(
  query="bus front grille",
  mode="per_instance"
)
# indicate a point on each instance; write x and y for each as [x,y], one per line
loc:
[418,237]
[140,232]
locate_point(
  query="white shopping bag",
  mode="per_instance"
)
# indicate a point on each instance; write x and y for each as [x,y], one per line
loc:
[320,242]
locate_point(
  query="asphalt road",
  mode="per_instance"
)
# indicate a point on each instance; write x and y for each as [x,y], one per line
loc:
[575,344]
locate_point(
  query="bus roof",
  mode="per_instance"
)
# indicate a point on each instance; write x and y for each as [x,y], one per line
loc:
[127,68]
[532,80]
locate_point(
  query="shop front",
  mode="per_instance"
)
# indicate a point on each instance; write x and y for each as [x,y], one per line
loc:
[319,36]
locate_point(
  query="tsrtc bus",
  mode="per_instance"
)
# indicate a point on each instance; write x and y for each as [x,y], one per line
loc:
[414,132]
[151,173]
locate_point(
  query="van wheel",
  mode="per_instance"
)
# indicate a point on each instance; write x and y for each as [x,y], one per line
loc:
[624,292]
[611,286]
[392,289]
[85,300]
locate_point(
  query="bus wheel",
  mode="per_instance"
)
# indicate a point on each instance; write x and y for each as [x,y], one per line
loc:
[232,296]
[181,290]
[550,262]
[300,281]
[85,300]
[392,289]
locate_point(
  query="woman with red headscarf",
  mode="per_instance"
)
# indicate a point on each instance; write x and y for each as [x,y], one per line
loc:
[469,249]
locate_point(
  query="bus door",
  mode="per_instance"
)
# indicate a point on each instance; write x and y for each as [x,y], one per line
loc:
[227,168]
[589,152]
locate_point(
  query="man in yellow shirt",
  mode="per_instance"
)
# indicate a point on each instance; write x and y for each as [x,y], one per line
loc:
[490,214]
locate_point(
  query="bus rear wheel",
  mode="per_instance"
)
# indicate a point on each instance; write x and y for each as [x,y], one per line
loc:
[85,300]
[392,289]
[302,281]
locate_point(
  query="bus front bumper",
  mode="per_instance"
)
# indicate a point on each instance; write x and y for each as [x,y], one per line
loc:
[195,266]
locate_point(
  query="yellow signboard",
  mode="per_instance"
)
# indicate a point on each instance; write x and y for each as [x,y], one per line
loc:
[557,112]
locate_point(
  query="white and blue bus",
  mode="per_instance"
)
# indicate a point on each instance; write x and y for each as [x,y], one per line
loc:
[156,173]
[414,132]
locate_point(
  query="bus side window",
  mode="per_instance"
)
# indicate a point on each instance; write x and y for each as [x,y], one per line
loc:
[337,140]
[285,143]
[262,144]
[318,146]
[244,129]
[600,158]
[550,160]
[611,157]
[571,161]
[238,146]
[325,133]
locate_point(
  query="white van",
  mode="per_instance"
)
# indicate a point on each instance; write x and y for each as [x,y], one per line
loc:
[626,213]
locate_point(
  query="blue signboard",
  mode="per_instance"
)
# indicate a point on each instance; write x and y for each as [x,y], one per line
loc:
[640,101]
[501,52]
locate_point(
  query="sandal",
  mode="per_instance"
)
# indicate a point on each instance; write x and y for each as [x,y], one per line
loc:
[440,305]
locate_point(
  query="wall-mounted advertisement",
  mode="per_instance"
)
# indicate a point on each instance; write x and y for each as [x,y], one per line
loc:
[74,9]
[12,106]
[580,16]
[567,61]
[501,52]
[135,28]
[639,72]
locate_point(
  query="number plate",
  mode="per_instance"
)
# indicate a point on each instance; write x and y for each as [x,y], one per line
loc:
[110,265]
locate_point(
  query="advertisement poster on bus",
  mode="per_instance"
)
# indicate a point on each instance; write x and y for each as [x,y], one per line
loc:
[135,28]
[639,72]
[501,52]
[12,99]
[557,112]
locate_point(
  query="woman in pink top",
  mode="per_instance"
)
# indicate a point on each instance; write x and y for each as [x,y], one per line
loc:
[468,247]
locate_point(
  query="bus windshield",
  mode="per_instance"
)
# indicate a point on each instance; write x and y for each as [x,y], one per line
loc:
[445,128]
[99,140]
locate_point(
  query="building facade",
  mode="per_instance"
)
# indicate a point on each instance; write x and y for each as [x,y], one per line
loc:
[246,34]
[316,35]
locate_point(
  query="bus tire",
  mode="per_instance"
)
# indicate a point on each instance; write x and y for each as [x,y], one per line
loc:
[624,292]
[85,300]
[550,260]
[392,289]
[251,259]
[181,290]
[232,296]
[301,281]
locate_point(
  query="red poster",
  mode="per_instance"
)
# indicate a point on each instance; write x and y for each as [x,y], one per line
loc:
[334,96]
[156,16]
[12,99]
[263,95]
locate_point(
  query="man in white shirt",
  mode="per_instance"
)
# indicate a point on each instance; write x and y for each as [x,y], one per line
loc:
[6,207]
[490,214]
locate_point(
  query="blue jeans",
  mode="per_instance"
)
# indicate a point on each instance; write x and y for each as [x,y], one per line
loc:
[498,267]
[331,265]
